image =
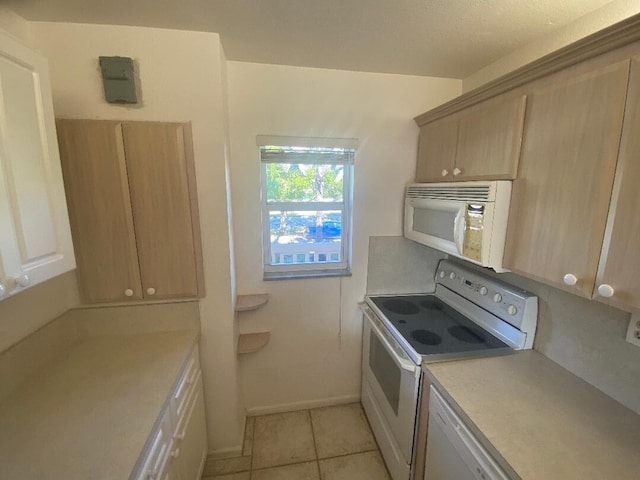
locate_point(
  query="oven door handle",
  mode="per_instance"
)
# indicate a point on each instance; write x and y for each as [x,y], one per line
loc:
[401,362]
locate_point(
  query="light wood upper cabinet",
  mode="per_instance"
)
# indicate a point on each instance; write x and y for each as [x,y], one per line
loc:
[560,201]
[97,189]
[133,206]
[35,240]
[162,208]
[478,143]
[489,139]
[437,150]
[620,258]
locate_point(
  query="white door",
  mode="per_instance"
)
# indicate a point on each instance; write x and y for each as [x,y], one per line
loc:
[35,238]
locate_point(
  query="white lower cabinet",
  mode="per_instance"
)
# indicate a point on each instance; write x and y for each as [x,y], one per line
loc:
[177,448]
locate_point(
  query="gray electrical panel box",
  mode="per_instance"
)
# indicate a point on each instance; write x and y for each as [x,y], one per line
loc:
[118,79]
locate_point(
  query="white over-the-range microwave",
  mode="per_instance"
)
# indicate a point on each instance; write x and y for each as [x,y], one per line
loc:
[464,219]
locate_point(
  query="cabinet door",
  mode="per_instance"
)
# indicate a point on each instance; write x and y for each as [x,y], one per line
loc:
[489,139]
[620,259]
[35,239]
[560,201]
[159,165]
[437,150]
[97,189]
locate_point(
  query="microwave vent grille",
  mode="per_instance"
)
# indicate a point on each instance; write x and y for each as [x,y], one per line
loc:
[477,193]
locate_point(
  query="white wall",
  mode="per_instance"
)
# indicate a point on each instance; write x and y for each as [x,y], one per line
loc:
[314,353]
[611,13]
[15,25]
[181,77]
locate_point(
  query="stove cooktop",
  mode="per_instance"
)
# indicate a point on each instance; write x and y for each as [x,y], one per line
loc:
[431,327]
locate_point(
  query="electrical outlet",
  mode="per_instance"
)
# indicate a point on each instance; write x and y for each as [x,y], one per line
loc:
[633,333]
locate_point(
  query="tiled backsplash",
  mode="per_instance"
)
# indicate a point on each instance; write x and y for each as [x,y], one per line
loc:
[133,319]
[398,265]
[588,339]
[583,336]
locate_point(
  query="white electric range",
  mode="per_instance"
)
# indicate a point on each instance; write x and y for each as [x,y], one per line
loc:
[470,314]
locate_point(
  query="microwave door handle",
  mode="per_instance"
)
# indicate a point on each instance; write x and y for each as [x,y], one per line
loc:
[402,363]
[459,229]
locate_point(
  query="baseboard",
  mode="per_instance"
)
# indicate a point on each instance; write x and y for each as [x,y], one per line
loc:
[304,405]
[225,452]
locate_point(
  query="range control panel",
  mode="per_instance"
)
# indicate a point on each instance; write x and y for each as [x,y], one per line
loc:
[510,303]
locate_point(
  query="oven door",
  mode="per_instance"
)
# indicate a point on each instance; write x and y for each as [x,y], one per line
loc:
[393,382]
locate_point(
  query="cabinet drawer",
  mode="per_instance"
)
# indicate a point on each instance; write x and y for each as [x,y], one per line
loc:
[185,386]
[191,435]
[158,452]
[189,400]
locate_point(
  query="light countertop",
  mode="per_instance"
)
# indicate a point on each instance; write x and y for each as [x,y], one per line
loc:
[545,422]
[88,414]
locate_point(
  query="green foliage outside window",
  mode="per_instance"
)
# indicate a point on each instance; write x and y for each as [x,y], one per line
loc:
[290,182]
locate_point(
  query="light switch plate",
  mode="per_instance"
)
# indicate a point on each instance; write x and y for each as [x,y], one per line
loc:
[633,333]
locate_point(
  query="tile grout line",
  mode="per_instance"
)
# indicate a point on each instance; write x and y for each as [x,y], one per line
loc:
[350,454]
[253,445]
[315,445]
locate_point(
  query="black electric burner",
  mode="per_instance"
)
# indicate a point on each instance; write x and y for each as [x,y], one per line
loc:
[432,327]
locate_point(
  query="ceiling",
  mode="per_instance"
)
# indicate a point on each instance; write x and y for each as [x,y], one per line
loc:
[444,38]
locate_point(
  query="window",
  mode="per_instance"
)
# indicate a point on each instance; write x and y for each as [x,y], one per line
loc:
[306,205]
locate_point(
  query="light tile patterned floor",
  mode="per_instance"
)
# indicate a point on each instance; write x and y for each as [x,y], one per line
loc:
[331,443]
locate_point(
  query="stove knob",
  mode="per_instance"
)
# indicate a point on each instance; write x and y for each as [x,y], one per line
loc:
[452,275]
[512,310]
[443,274]
[483,291]
[497,298]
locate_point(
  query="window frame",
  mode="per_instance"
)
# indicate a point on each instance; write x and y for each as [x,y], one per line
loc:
[302,270]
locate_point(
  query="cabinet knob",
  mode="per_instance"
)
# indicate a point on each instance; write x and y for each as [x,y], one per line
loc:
[128,292]
[175,453]
[22,281]
[606,291]
[457,171]
[570,279]
[445,172]
[151,291]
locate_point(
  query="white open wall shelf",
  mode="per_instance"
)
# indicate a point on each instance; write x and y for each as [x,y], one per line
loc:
[251,342]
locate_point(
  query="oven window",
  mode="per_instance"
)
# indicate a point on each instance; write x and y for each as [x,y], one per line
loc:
[437,223]
[386,371]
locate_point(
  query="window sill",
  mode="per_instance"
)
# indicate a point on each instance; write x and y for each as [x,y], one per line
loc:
[345,272]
